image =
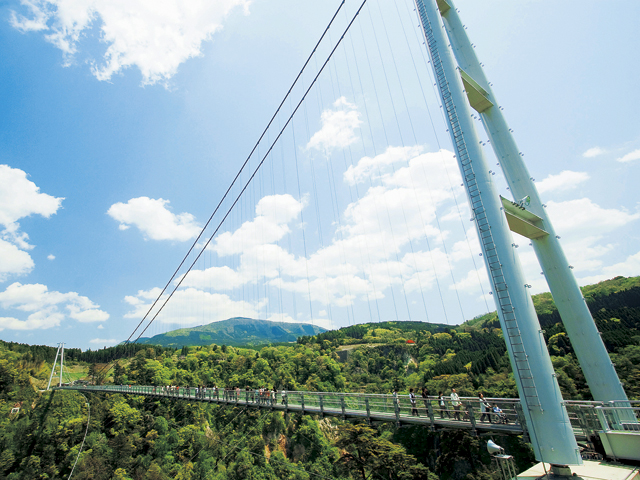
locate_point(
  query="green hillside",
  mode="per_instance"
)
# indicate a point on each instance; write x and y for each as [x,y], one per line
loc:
[235,332]
[136,438]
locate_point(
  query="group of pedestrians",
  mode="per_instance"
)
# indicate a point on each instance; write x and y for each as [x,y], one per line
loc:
[262,395]
[488,412]
[269,397]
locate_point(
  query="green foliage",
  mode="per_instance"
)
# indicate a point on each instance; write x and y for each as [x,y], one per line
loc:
[369,456]
[155,439]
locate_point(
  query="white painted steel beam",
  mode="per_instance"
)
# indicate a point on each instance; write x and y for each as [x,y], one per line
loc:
[599,372]
[549,427]
[53,369]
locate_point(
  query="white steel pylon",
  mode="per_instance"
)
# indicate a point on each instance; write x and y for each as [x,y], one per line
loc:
[60,352]
[527,216]
[547,420]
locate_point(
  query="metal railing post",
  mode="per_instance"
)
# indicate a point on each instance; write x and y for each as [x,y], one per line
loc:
[523,423]
[302,402]
[472,418]
[396,407]
[343,405]
[366,404]
[431,416]
[321,405]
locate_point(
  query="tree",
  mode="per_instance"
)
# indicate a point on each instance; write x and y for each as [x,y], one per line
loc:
[371,457]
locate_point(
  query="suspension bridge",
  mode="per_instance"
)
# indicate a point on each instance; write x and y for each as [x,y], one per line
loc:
[380,251]
[587,417]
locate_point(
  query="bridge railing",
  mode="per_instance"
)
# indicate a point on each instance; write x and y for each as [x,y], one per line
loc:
[617,418]
[392,407]
[590,417]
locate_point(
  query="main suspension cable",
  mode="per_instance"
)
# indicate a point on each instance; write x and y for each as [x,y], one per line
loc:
[239,171]
[179,283]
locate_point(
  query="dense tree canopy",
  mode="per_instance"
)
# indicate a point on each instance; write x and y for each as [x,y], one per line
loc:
[143,438]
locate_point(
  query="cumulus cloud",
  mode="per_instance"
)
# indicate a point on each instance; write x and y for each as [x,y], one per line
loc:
[369,167]
[211,307]
[338,127]
[273,213]
[46,309]
[565,180]
[154,219]
[473,282]
[104,341]
[51,257]
[19,198]
[155,36]
[630,157]
[630,267]
[593,152]
[368,252]
[580,218]
[584,227]
[13,261]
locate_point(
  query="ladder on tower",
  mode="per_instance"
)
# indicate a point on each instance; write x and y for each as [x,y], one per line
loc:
[512,333]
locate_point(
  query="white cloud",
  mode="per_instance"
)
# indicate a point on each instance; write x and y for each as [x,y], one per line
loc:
[100,327]
[39,320]
[212,307]
[51,257]
[367,254]
[13,261]
[565,180]
[583,227]
[630,157]
[630,267]
[594,152]
[156,36]
[152,218]
[338,126]
[388,238]
[473,282]
[582,218]
[273,213]
[45,307]
[19,198]
[104,341]
[368,167]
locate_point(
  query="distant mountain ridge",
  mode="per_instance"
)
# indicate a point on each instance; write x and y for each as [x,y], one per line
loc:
[236,332]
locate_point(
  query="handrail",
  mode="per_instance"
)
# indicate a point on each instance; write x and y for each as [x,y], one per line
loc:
[587,417]
[466,413]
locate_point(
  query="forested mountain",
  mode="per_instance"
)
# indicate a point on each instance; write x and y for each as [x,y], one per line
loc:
[42,353]
[143,438]
[237,332]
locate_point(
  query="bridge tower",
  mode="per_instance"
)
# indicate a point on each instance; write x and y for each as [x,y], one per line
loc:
[60,352]
[530,219]
[547,419]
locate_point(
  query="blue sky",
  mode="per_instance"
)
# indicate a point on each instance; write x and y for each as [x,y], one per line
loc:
[124,122]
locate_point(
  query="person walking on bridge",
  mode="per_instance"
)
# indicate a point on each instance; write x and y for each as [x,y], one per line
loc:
[425,399]
[485,408]
[443,405]
[412,399]
[455,402]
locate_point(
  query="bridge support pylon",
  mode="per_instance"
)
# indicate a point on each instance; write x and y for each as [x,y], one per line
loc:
[59,352]
[551,433]
[528,217]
